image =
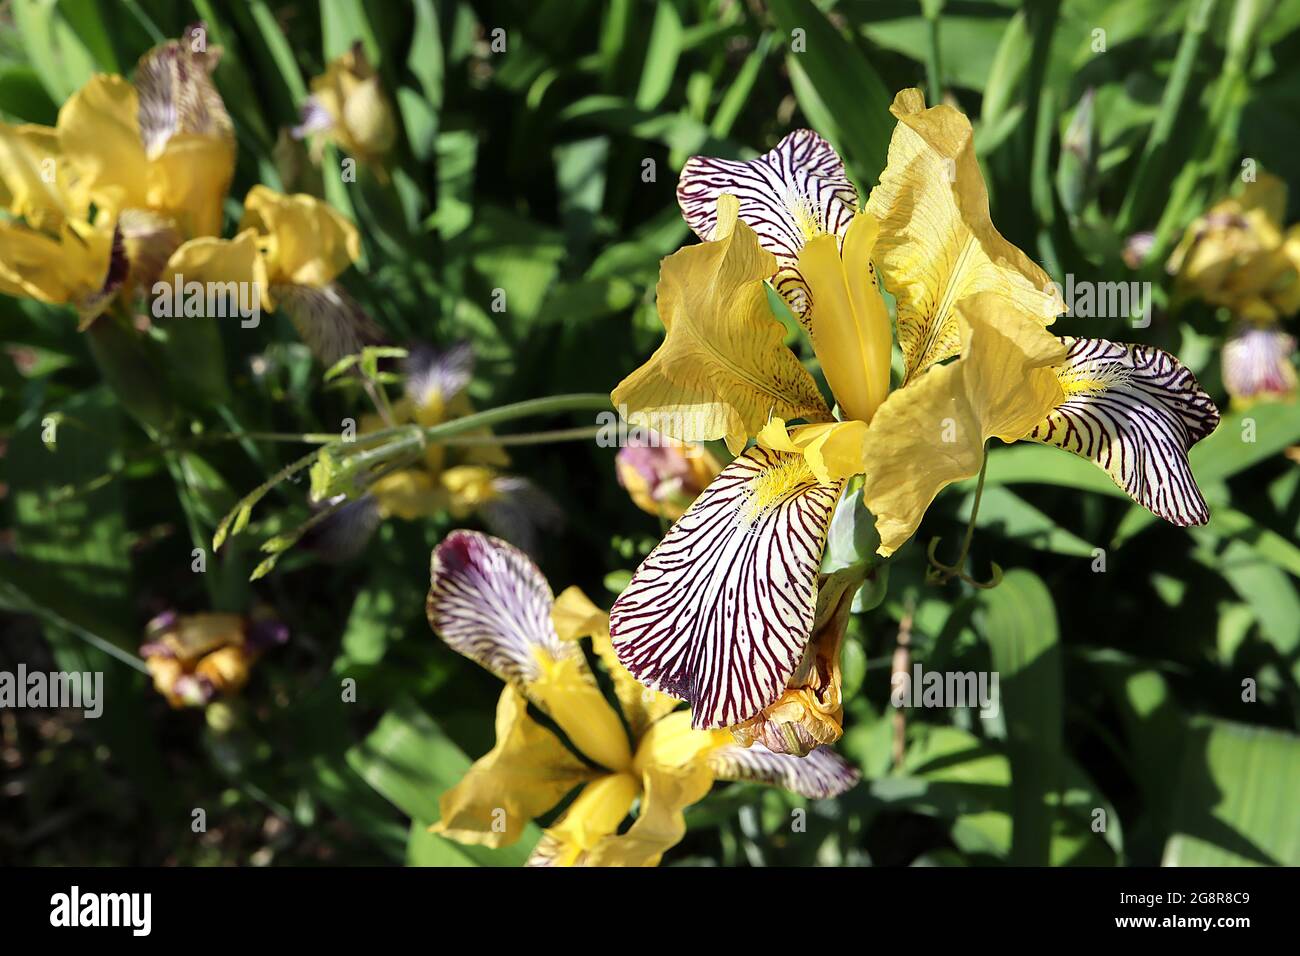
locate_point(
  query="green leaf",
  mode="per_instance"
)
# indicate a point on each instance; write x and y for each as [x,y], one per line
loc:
[1235,799]
[410,761]
[1020,629]
[846,83]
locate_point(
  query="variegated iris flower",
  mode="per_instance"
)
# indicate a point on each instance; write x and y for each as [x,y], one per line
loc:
[130,170]
[290,249]
[196,658]
[489,602]
[724,611]
[462,481]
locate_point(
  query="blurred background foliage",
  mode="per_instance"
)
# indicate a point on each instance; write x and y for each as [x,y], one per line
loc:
[522,170]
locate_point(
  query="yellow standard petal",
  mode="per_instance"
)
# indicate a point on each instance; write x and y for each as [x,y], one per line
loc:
[99,132]
[307,242]
[525,774]
[34,181]
[937,243]
[722,370]
[215,262]
[932,432]
[850,325]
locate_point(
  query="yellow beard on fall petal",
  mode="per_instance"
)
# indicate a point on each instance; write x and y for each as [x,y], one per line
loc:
[773,485]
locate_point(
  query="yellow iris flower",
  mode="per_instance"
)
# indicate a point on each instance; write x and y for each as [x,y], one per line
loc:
[722,613]
[488,602]
[100,200]
[290,250]
[348,106]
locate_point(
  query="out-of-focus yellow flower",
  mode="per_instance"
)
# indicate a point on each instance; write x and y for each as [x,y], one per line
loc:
[100,200]
[290,250]
[349,107]
[723,612]
[663,476]
[197,658]
[488,602]
[1238,255]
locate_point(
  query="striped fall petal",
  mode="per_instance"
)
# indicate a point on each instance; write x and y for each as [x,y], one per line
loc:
[720,612]
[489,602]
[821,774]
[1135,411]
[1257,364]
[788,195]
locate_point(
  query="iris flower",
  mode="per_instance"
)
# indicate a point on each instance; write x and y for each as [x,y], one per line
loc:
[662,476]
[129,171]
[1239,257]
[348,106]
[293,248]
[461,481]
[488,602]
[195,658]
[722,613]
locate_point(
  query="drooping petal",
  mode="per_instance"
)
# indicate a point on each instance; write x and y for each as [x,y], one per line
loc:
[1135,411]
[523,776]
[937,243]
[1257,364]
[575,617]
[932,432]
[521,513]
[661,823]
[787,196]
[489,602]
[723,368]
[720,611]
[331,323]
[821,774]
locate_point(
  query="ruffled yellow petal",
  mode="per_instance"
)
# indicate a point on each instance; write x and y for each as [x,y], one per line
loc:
[660,824]
[99,131]
[350,92]
[575,617]
[593,816]
[307,242]
[722,370]
[834,450]
[34,181]
[932,432]
[190,179]
[211,260]
[524,775]
[850,325]
[937,243]
[409,494]
[71,269]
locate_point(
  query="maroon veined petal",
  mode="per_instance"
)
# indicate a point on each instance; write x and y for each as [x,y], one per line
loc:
[1135,411]
[797,190]
[1257,363]
[720,612]
[489,602]
[821,774]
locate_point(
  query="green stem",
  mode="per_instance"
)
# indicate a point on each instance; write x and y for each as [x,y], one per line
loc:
[974,511]
[933,60]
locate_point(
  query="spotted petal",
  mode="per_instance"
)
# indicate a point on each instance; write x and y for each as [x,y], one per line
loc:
[787,196]
[720,611]
[1135,411]
[821,774]
[937,243]
[489,602]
